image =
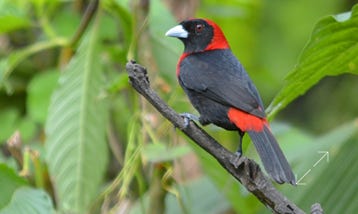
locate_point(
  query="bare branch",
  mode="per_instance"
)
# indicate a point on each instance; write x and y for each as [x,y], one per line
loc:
[248,172]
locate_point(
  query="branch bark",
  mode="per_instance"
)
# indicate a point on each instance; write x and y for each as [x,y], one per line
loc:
[248,172]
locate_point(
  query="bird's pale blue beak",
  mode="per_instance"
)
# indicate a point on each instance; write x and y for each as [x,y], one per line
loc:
[177,31]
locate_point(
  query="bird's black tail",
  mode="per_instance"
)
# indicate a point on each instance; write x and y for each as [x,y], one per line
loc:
[271,156]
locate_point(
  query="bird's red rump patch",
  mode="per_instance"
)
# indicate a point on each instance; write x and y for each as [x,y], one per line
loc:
[246,121]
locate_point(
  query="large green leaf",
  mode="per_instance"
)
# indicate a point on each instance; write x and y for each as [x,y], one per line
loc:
[332,50]
[76,129]
[27,200]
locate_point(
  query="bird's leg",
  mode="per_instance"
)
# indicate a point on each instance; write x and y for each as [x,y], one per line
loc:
[239,149]
[187,117]
[236,159]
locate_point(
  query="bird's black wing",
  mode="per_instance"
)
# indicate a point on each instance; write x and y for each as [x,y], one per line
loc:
[219,76]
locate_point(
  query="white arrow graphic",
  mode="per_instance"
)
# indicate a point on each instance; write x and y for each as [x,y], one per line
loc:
[325,154]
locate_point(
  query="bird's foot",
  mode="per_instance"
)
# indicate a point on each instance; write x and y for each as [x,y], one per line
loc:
[236,160]
[188,117]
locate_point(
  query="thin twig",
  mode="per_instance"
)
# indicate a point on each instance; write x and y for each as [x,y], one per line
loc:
[87,17]
[68,51]
[248,172]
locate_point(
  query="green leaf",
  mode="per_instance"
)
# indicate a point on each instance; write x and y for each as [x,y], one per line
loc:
[165,50]
[121,82]
[197,196]
[39,92]
[12,17]
[8,64]
[190,198]
[62,26]
[123,16]
[330,141]
[76,129]
[131,158]
[335,188]
[9,182]
[160,152]
[28,200]
[8,118]
[315,174]
[11,121]
[226,184]
[332,50]
[27,128]
[9,23]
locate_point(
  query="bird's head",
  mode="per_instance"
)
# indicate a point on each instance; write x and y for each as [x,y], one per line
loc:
[199,35]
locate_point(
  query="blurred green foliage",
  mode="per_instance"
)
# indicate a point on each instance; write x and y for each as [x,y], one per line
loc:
[90,144]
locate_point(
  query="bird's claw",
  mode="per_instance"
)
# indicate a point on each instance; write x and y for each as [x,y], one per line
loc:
[188,117]
[236,160]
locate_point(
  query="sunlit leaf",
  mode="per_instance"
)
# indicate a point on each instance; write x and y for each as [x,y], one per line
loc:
[12,17]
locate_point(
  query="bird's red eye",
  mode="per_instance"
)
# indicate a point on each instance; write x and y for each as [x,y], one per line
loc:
[199,28]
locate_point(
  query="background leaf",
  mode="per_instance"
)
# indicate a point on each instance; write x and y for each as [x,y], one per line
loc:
[76,129]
